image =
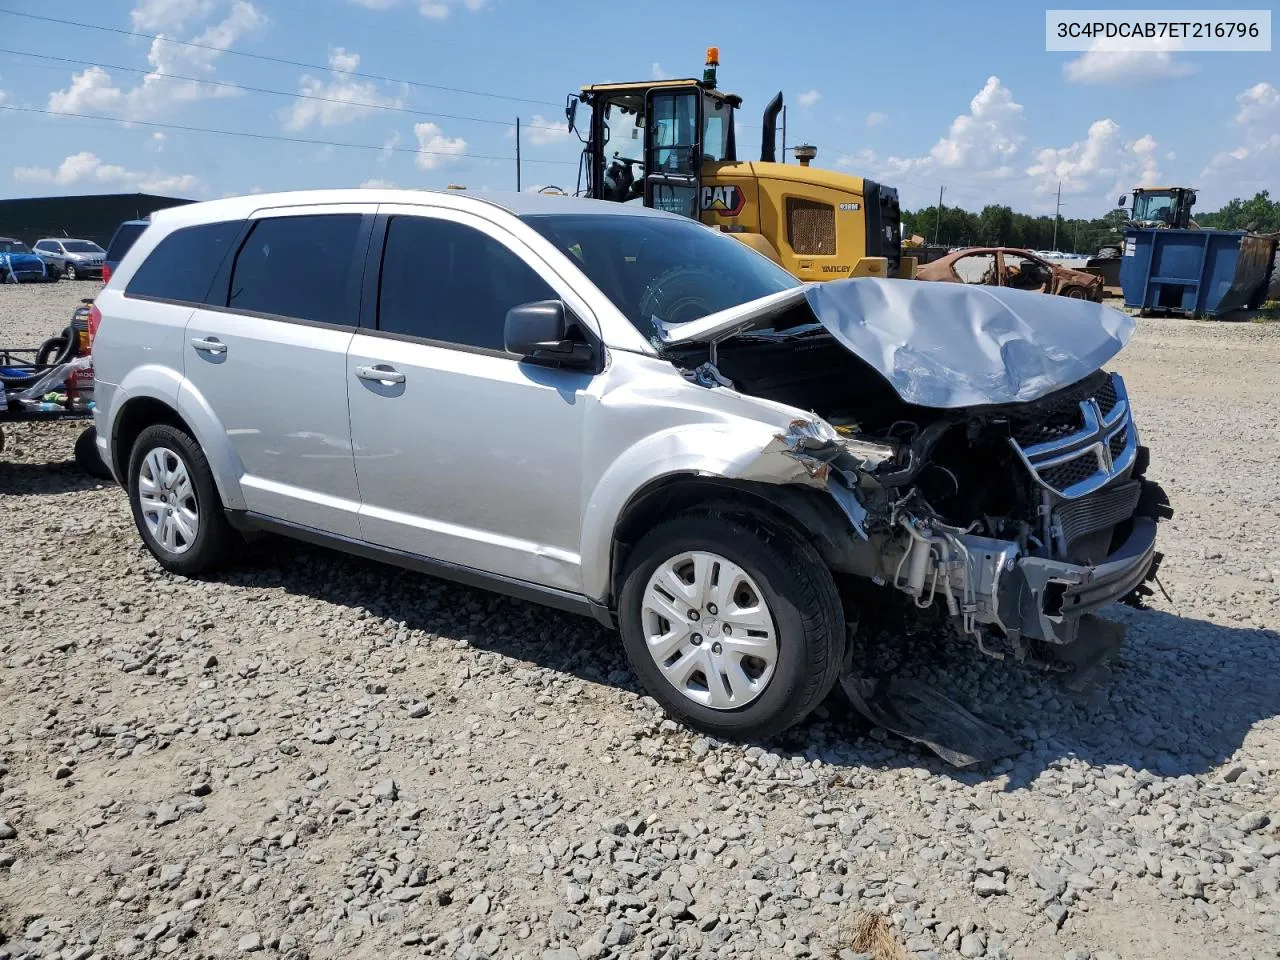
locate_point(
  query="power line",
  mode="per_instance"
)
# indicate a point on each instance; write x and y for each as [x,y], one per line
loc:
[279,93]
[276,137]
[268,59]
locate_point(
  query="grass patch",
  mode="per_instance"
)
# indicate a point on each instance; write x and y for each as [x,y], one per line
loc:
[872,935]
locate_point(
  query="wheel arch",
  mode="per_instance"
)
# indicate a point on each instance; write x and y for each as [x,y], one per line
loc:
[144,402]
[806,511]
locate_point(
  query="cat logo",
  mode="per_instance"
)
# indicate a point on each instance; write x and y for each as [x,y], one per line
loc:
[725,201]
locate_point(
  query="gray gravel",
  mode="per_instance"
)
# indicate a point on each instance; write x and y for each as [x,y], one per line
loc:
[316,756]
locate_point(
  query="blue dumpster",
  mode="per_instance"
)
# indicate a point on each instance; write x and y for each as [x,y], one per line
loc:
[1196,273]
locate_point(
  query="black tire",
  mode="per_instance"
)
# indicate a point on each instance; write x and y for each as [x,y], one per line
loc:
[70,272]
[87,457]
[1075,292]
[801,595]
[215,539]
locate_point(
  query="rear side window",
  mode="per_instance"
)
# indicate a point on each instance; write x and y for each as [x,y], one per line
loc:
[124,237]
[446,281]
[183,264]
[299,267]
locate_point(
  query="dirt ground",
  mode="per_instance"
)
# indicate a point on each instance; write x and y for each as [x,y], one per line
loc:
[316,756]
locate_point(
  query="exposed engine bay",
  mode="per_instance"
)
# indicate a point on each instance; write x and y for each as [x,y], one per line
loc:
[1019,518]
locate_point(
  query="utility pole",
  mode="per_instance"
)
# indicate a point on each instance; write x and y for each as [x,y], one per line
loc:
[517,154]
[1057,212]
[938,226]
[784,133]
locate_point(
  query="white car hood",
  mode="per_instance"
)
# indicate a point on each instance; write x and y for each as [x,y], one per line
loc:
[943,345]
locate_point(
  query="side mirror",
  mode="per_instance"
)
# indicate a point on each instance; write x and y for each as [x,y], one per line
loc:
[1123,200]
[539,332]
[571,111]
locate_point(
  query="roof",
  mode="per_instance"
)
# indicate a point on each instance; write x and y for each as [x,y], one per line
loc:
[518,204]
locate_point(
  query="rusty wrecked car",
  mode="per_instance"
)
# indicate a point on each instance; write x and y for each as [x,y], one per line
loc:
[1015,269]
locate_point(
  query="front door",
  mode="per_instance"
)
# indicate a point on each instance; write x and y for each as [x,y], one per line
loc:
[464,454]
[269,358]
[673,151]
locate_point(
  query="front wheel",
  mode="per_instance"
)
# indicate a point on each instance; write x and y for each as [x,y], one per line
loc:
[733,624]
[70,273]
[1076,293]
[175,503]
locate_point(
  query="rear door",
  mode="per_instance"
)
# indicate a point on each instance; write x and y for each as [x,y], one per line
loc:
[268,355]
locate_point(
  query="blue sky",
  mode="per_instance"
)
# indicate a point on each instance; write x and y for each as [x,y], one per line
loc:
[933,94]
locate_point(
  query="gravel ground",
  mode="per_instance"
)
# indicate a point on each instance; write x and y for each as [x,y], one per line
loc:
[316,756]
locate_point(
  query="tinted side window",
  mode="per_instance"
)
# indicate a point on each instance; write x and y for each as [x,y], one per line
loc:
[123,239]
[182,265]
[446,281]
[299,267]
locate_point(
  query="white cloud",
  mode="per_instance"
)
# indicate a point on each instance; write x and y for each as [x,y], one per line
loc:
[377,4]
[1257,104]
[1253,164]
[875,118]
[86,169]
[436,149]
[1105,64]
[158,141]
[658,73]
[382,184]
[389,147]
[155,16]
[1103,163]
[440,9]
[808,98]
[92,90]
[341,99]
[983,144]
[540,131]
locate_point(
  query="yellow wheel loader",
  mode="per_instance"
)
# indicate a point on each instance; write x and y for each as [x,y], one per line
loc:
[671,145]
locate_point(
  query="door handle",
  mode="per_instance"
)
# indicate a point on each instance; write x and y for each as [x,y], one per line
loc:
[209,345]
[382,373]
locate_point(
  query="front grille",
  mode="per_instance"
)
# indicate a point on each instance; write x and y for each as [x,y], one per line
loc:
[1101,511]
[811,227]
[1070,473]
[1080,439]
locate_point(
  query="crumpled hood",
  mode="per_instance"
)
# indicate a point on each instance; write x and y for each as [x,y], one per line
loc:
[944,345]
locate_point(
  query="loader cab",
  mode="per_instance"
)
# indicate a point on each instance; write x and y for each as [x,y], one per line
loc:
[1162,206]
[647,142]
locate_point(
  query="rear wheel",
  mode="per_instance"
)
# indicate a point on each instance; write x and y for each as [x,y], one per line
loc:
[175,503]
[1076,293]
[732,624]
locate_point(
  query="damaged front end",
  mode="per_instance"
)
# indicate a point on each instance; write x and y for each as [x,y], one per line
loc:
[1020,521]
[987,465]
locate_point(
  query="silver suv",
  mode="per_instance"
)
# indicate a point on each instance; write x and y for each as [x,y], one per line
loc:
[626,414]
[74,259]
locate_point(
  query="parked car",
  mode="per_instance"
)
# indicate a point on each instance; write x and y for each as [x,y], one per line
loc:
[618,412]
[1011,267]
[73,259]
[121,241]
[19,265]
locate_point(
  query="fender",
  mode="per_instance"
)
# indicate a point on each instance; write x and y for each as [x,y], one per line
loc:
[164,384]
[739,450]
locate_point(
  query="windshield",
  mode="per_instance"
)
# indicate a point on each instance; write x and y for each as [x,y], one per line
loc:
[81,246]
[1152,206]
[13,246]
[674,270]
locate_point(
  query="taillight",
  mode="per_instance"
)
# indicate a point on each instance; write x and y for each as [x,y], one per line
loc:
[95,318]
[106,273]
